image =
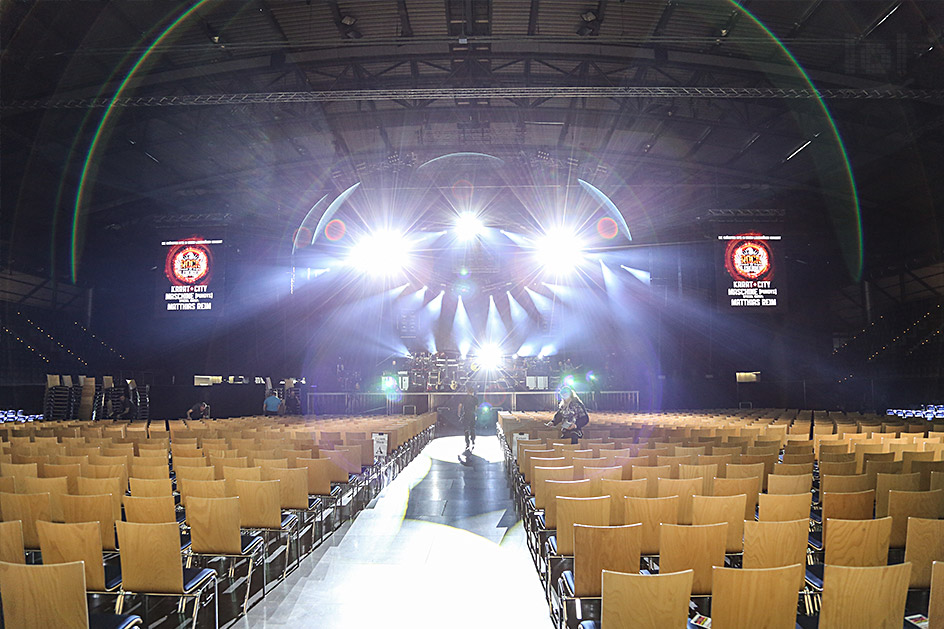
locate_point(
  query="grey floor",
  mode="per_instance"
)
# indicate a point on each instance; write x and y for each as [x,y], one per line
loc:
[440,547]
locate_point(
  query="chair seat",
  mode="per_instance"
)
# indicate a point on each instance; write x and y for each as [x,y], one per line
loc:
[248,543]
[531,504]
[181,516]
[113,621]
[336,490]
[194,577]
[185,541]
[814,575]
[567,583]
[289,519]
[552,545]
[112,576]
[540,519]
[816,516]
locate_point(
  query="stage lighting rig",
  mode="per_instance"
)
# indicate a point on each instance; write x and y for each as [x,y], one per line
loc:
[559,251]
[469,227]
[489,357]
[380,253]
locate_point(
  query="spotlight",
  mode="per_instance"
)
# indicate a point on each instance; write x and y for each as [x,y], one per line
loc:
[389,383]
[569,381]
[489,357]
[558,251]
[381,253]
[469,227]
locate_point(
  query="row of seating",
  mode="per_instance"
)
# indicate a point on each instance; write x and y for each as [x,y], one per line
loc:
[645,494]
[130,509]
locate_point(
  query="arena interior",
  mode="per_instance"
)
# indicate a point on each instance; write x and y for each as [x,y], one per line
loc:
[546,314]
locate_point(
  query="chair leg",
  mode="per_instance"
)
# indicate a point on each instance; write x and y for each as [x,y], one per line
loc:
[119,602]
[248,586]
[196,608]
[216,603]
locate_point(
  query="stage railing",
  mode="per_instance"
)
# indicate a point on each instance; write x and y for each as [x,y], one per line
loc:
[419,403]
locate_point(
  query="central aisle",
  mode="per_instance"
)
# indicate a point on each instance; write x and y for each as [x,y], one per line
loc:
[440,547]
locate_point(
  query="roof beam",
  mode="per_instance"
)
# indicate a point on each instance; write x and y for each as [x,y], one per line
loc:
[804,18]
[406,29]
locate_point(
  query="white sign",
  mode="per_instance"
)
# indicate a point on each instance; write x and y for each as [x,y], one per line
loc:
[380,444]
[518,436]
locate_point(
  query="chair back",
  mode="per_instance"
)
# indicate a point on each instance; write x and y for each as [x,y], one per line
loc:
[81,541]
[858,505]
[293,486]
[717,509]
[594,511]
[11,542]
[259,504]
[783,507]
[561,488]
[749,486]
[884,483]
[150,557]
[924,546]
[150,510]
[214,525]
[864,597]
[151,487]
[599,548]
[44,595]
[646,601]
[651,513]
[319,476]
[234,474]
[858,542]
[776,544]
[907,504]
[619,489]
[27,508]
[789,483]
[99,508]
[55,487]
[696,548]
[754,597]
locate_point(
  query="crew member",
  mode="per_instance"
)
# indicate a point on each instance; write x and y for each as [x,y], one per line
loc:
[272,404]
[571,415]
[467,407]
[200,410]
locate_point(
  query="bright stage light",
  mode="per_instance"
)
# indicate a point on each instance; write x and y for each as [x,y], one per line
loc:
[380,253]
[489,357]
[469,227]
[558,251]
[389,383]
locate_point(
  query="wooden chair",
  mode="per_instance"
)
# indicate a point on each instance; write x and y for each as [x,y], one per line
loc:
[151,565]
[320,490]
[864,597]
[619,489]
[789,484]
[754,597]
[11,542]
[150,510]
[196,473]
[596,475]
[749,486]
[651,513]
[936,604]
[706,472]
[65,543]
[214,529]
[685,489]
[925,468]
[645,601]
[55,487]
[98,486]
[19,471]
[558,489]
[837,468]
[857,505]
[49,596]
[887,482]
[852,543]
[94,508]
[543,474]
[652,475]
[234,474]
[727,509]
[594,511]
[909,504]
[596,548]
[776,544]
[924,546]
[783,507]
[201,489]
[27,508]
[259,511]
[847,484]
[696,548]
[151,487]
[69,471]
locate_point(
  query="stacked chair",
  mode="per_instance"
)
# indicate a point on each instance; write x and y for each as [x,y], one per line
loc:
[774,518]
[171,510]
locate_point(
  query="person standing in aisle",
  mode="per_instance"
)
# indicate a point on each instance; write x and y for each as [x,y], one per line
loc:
[467,408]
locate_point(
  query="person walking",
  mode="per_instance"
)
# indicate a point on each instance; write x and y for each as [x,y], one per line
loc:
[467,408]
[571,415]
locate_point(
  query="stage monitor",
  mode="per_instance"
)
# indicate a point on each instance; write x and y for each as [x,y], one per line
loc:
[750,265]
[192,279]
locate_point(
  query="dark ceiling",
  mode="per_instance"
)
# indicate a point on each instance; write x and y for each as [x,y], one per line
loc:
[249,111]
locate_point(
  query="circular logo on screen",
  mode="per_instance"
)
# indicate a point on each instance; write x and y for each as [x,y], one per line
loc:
[748,259]
[188,264]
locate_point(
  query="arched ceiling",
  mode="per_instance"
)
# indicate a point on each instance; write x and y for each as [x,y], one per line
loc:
[254,108]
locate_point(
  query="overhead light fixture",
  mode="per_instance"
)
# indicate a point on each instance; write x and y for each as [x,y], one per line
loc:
[353,33]
[349,20]
[589,16]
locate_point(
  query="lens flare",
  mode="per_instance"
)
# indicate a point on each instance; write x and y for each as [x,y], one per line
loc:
[335,230]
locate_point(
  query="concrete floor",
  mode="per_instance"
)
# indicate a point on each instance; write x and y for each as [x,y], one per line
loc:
[440,547]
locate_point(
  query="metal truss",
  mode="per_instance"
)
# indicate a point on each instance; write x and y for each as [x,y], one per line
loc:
[510,92]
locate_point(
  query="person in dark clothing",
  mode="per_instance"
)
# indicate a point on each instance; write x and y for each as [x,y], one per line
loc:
[126,408]
[571,415]
[200,410]
[293,406]
[467,407]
